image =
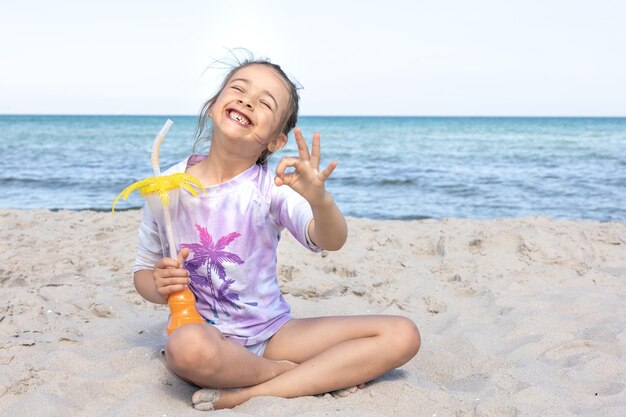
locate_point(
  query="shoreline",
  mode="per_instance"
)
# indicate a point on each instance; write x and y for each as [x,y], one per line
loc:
[411,219]
[519,317]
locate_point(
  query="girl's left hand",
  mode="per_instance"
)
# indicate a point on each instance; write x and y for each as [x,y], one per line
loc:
[306,179]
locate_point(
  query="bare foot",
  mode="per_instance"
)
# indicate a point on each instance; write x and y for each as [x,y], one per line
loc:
[205,399]
[340,393]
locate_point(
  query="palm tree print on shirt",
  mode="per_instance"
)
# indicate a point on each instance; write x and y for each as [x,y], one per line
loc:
[207,261]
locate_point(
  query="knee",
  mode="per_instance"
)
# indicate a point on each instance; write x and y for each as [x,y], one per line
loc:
[406,338]
[189,348]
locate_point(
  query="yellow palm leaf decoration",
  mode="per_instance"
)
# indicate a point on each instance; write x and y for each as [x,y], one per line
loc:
[162,186]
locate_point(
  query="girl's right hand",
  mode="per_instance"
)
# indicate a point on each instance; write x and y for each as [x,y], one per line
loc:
[169,275]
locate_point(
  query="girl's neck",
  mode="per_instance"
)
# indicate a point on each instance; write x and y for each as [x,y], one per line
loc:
[219,167]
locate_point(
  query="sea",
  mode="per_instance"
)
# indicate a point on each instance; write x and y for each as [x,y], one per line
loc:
[389,167]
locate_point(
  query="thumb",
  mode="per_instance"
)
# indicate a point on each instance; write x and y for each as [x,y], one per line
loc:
[182,256]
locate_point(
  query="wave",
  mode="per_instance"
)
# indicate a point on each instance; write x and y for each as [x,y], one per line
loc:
[76,182]
[30,182]
[378,216]
[396,181]
[369,182]
[19,181]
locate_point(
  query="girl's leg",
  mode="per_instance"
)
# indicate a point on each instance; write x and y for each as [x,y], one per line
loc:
[333,353]
[200,354]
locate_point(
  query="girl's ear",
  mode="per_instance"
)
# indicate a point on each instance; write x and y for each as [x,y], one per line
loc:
[278,143]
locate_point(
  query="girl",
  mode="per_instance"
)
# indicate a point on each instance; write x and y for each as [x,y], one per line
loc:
[228,258]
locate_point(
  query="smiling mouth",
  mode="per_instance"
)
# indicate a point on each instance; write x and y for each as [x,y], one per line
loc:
[238,117]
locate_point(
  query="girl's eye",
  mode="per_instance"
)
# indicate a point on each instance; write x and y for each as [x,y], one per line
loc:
[266,104]
[236,87]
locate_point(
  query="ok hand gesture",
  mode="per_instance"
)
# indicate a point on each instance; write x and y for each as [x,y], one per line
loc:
[306,179]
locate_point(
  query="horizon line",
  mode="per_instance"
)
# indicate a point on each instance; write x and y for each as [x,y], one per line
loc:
[332,115]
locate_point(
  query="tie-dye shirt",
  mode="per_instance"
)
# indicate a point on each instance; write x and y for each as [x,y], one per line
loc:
[232,233]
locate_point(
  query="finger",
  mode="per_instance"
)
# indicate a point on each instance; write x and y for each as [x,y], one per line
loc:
[172,272]
[285,163]
[167,263]
[328,170]
[286,179]
[168,282]
[182,256]
[162,283]
[172,289]
[316,151]
[303,150]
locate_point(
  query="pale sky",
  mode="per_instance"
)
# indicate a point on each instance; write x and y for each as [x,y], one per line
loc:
[392,57]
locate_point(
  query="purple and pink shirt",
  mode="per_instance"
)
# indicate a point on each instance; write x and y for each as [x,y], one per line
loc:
[232,232]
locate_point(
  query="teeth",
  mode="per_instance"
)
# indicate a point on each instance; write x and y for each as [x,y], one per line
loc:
[236,116]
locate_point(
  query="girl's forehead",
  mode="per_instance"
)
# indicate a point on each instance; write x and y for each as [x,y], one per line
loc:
[264,77]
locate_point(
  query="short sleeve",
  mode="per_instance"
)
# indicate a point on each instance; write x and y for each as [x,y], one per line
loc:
[291,211]
[149,248]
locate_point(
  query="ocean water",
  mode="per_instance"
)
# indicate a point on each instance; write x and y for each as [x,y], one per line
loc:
[389,167]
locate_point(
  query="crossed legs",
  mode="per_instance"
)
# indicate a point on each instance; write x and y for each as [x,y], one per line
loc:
[305,357]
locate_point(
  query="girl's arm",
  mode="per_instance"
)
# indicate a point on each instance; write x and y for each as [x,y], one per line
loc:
[328,229]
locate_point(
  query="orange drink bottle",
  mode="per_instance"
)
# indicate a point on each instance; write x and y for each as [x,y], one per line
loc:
[182,310]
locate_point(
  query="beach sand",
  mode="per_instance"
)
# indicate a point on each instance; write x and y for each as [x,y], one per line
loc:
[520,317]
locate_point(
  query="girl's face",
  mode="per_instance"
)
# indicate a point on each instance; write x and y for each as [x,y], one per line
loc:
[250,110]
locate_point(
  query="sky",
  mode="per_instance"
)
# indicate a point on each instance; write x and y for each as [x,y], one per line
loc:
[393,57]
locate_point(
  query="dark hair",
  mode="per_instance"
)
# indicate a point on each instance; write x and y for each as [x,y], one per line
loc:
[203,134]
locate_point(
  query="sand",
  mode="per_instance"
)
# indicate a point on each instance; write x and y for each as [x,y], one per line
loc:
[521,317]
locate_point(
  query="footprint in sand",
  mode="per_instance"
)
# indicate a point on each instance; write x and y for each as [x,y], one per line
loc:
[434,306]
[571,353]
[476,247]
[342,271]
[100,310]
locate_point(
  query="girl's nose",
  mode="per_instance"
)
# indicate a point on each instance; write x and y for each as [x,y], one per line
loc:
[246,102]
